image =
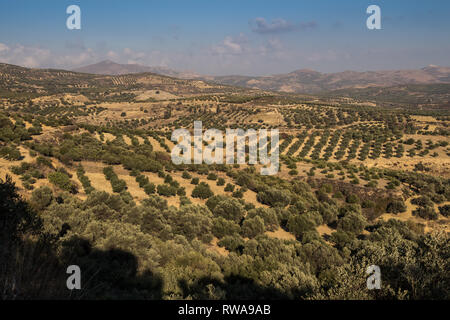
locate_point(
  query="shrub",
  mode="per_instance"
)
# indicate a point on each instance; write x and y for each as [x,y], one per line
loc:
[352,222]
[274,197]
[166,190]
[222,227]
[62,181]
[186,175]
[352,198]
[41,197]
[230,209]
[425,213]
[299,224]
[251,227]
[342,238]
[268,215]
[229,187]
[395,206]
[422,201]
[202,191]
[212,176]
[149,188]
[195,181]
[445,210]
[232,243]
[239,194]
[220,182]
[118,185]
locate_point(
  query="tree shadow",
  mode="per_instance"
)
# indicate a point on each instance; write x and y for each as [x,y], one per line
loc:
[233,287]
[33,266]
[110,274]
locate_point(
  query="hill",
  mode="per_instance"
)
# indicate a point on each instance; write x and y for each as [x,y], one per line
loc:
[18,81]
[310,81]
[108,67]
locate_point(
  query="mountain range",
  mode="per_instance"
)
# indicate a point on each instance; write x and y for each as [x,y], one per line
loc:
[299,81]
[108,67]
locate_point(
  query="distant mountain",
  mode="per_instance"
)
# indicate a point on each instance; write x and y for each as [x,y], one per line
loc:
[300,81]
[108,67]
[24,82]
[310,81]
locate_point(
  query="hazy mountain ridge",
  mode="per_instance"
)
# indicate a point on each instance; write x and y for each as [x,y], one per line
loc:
[299,81]
[108,67]
[17,79]
[310,81]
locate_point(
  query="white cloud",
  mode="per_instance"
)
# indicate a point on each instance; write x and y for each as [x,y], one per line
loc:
[25,56]
[3,47]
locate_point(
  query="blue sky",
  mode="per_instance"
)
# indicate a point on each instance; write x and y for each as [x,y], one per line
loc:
[228,37]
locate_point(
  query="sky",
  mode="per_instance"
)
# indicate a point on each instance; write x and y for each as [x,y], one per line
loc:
[246,37]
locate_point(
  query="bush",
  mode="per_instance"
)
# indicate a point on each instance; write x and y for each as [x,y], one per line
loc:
[195,181]
[396,206]
[251,227]
[166,190]
[445,210]
[10,153]
[352,198]
[62,181]
[41,197]
[212,176]
[352,222]
[425,213]
[118,185]
[229,187]
[423,201]
[299,224]
[222,227]
[342,238]
[186,175]
[232,243]
[149,188]
[230,209]
[268,215]
[239,194]
[274,197]
[220,182]
[202,191]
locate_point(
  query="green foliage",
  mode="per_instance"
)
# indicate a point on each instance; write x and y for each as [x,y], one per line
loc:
[166,190]
[229,187]
[274,197]
[230,209]
[223,227]
[251,227]
[425,212]
[202,191]
[41,198]
[118,185]
[268,216]
[62,181]
[352,222]
[396,206]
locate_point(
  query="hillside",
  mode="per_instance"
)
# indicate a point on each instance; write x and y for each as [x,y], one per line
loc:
[310,81]
[108,67]
[88,158]
[16,81]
